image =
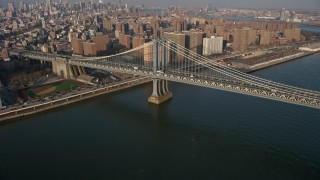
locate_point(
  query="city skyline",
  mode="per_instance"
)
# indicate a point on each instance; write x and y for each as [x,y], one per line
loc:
[261,4]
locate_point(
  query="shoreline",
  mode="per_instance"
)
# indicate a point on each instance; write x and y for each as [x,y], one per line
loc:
[33,109]
[30,110]
[267,64]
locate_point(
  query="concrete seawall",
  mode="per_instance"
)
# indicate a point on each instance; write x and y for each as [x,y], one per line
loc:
[270,63]
[26,111]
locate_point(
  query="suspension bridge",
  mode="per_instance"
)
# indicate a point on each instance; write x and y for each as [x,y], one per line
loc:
[164,60]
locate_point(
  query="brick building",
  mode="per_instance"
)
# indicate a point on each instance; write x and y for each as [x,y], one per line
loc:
[77,46]
[89,49]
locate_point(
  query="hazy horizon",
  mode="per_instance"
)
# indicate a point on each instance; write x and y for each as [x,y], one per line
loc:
[262,4]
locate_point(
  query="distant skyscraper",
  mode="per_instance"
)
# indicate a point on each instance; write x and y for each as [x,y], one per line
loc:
[43,23]
[2,12]
[25,7]
[11,6]
[210,6]
[21,6]
[49,5]
[65,2]
[287,16]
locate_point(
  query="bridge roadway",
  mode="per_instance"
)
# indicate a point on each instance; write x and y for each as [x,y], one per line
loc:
[273,91]
[285,95]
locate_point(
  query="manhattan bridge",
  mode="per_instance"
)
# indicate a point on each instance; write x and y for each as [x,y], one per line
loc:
[164,60]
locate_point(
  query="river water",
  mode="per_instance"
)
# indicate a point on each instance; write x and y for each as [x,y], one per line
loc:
[200,134]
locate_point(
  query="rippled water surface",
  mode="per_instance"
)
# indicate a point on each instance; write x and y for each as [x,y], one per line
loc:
[200,134]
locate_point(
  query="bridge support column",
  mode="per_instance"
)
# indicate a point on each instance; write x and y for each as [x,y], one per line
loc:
[61,68]
[160,92]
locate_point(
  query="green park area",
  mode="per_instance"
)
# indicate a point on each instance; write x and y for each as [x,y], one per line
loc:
[51,89]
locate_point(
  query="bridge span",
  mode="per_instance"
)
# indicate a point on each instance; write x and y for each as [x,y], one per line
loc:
[164,60]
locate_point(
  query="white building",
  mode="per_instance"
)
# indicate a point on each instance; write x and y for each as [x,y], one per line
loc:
[288,16]
[213,45]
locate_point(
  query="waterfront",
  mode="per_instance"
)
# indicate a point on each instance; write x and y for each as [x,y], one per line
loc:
[200,134]
[68,98]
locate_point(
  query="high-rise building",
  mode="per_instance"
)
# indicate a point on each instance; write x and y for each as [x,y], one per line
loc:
[43,23]
[125,28]
[176,38]
[288,16]
[139,29]
[194,41]
[89,49]
[154,23]
[77,46]
[21,6]
[11,6]
[49,5]
[65,3]
[107,25]
[213,45]
[71,35]
[138,41]
[219,30]
[83,6]
[293,34]
[241,39]
[101,41]
[179,24]
[2,12]
[119,27]
[284,15]
[148,53]
[252,37]
[208,29]
[209,7]
[14,24]
[265,38]
[124,40]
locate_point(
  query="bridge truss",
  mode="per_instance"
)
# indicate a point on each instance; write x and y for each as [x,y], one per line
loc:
[164,60]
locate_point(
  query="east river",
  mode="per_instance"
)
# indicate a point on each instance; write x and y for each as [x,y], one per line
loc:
[200,134]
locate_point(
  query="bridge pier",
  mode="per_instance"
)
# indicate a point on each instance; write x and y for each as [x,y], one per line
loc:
[61,68]
[160,92]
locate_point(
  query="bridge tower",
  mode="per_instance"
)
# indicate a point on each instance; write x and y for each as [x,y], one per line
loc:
[61,68]
[160,91]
